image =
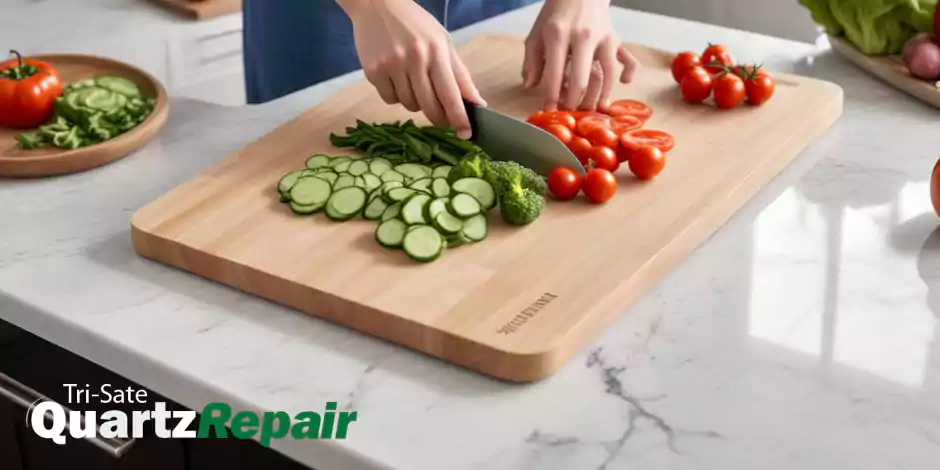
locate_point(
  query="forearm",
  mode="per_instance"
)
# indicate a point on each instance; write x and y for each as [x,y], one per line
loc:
[352,7]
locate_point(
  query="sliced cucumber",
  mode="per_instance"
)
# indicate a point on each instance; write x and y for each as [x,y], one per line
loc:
[479,188]
[423,244]
[423,185]
[372,181]
[391,233]
[413,211]
[447,223]
[441,171]
[474,228]
[310,192]
[374,209]
[287,181]
[118,85]
[361,182]
[345,203]
[342,167]
[436,206]
[392,211]
[318,160]
[378,166]
[328,176]
[344,181]
[392,175]
[464,206]
[456,240]
[336,161]
[358,167]
[440,187]
[413,171]
[304,210]
[400,194]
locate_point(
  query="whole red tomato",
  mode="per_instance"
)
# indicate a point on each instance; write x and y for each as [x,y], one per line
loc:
[759,89]
[716,58]
[599,185]
[696,85]
[581,149]
[564,183]
[646,162]
[683,63]
[560,132]
[604,157]
[729,91]
[623,153]
[28,90]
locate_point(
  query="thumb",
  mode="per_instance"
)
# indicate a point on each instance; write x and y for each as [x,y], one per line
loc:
[465,81]
[534,62]
[629,64]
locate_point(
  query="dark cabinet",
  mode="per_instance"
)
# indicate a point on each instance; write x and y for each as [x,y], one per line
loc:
[45,367]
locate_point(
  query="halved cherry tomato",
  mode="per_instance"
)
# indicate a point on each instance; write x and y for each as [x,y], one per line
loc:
[564,183]
[560,132]
[599,185]
[581,149]
[604,157]
[589,122]
[603,137]
[635,108]
[632,141]
[683,63]
[647,161]
[544,118]
[625,123]
[716,53]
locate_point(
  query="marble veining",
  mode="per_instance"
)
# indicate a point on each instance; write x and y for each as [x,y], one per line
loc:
[802,335]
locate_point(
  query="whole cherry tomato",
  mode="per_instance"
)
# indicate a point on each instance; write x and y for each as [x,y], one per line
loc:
[544,118]
[696,85]
[599,185]
[623,153]
[564,183]
[603,137]
[560,132]
[604,157]
[581,149]
[729,90]
[683,63]
[717,54]
[646,162]
[759,89]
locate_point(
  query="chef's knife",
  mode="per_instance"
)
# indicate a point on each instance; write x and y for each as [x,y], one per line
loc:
[504,137]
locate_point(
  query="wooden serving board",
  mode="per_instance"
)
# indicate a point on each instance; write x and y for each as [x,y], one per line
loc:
[521,302]
[202,10]
[891,70]
[19,163]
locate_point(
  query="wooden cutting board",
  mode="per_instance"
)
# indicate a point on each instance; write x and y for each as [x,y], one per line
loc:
[891,70]
[203,10]
[521,302]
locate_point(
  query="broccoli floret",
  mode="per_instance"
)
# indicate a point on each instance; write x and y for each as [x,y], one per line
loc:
[520,191]
[520,205]
[471,165]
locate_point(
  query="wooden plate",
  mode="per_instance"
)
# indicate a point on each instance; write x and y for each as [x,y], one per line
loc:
[889,69]
[16,162]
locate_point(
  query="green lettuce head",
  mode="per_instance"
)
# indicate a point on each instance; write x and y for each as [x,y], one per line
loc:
[875,27]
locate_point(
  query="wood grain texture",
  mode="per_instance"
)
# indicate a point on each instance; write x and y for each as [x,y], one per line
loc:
[891,70]
[202,10]
[519,304]
[16,162]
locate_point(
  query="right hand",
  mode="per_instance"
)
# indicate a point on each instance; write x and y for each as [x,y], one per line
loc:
[409,58]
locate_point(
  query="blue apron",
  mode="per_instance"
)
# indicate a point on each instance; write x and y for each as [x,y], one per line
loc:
[293,44]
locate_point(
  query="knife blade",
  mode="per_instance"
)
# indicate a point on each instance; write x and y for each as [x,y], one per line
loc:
[504,137]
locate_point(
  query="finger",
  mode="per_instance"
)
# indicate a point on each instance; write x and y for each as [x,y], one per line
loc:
[465,81]
[383,84]
[607,60]
[403,89]
[582,55]
[593,92]
[448,94]
[424,91]
[629,64]
[556,53]
[534,61]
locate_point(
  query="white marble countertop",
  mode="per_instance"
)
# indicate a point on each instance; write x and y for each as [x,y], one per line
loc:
[805,334]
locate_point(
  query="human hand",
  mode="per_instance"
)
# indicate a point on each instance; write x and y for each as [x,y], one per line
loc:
[581,28]
[410,59]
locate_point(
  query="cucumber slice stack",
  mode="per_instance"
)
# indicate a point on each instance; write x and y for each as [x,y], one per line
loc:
[415,208]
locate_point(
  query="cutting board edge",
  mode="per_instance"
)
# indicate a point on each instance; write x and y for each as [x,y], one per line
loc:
[441,344]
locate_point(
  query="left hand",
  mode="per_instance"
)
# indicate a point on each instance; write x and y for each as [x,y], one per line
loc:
[581,29]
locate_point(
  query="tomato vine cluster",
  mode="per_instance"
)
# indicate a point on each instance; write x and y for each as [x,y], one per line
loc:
[716,73]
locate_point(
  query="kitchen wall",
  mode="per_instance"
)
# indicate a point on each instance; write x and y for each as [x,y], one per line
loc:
[781,18]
